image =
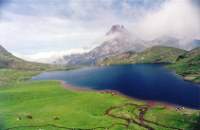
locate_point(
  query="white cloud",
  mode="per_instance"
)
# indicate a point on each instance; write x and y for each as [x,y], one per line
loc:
[33,34]
[177,18]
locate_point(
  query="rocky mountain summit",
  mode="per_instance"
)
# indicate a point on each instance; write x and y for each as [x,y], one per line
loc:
[117,40]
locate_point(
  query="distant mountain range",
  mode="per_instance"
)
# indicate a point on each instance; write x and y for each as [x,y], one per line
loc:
[9,61]
[119,40]
[117,43]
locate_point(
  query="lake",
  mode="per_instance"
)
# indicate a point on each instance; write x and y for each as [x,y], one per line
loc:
[143,81]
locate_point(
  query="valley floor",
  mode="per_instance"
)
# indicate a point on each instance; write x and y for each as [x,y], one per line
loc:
[48,105]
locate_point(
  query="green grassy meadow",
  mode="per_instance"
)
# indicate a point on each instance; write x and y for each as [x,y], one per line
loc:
[48,105]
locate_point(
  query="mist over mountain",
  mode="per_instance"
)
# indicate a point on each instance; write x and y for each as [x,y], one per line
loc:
[165,41]
[119,40]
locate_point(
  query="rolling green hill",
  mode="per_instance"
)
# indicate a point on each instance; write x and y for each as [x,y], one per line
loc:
[188,65]
[156,54]
[7,60]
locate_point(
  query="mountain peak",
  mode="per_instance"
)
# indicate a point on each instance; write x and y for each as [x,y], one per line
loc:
[116,28]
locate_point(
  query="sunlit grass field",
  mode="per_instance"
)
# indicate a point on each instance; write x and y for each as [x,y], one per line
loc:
[47,105]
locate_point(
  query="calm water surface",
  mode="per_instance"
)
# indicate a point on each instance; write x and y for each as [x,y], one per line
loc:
[142,81]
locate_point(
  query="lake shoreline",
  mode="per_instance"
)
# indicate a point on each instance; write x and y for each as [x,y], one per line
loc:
[185,78]
[150,103]
[148,83]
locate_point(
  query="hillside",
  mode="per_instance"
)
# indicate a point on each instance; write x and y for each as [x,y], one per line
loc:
[9,61]
[156,54]
[14,69]
[188,65]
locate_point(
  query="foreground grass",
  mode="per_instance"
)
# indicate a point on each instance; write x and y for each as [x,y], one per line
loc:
[47,105]
[45,101]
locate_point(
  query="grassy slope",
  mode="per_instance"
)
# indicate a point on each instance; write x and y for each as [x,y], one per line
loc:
[46,100]
[188,65]
[156,54]
[14,69]
[7,60]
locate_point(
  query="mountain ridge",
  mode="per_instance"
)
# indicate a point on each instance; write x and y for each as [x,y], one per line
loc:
[116,41]
[155,54]
[9,61]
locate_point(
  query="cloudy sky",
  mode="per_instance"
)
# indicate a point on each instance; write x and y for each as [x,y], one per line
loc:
[40,28]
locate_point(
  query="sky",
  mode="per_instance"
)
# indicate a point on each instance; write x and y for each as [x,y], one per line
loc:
[35,29]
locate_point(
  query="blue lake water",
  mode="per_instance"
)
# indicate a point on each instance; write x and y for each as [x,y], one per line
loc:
[142,81]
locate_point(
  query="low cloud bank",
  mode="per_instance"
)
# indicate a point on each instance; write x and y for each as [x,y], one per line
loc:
[175,18]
